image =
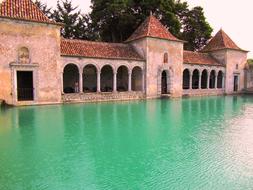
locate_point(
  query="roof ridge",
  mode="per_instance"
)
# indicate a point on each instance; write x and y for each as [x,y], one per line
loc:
[23,10]
[80,40]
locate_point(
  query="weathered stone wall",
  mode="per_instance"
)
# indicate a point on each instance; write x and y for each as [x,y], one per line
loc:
[235,62]
[249,78]
[235,65]
[156,48]
[102,97]
[43,43]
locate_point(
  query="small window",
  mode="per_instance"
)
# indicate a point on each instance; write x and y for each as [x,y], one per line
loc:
[23,55]
[165,58]
[237,66]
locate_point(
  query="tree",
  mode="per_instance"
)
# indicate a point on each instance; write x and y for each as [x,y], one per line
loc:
[44,8]
[195,29]
[116,20]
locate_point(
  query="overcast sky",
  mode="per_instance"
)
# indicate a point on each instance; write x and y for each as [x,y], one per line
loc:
[233,16]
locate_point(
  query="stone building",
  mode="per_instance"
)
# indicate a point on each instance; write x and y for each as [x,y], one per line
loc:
[38,66]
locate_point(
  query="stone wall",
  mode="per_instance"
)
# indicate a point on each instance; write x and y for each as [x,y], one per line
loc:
[156,48]
[249,78]
[43,43]
[102,97]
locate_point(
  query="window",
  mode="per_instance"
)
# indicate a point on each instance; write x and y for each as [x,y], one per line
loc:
[165,58]
[237,66]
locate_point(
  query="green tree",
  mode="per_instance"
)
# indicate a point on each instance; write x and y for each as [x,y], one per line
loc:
[116,20]
[44,8]
[195,29]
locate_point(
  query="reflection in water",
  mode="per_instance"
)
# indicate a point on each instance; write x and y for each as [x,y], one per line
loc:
[196,143]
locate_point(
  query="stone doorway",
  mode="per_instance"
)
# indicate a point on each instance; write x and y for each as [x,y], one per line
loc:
[164,83]
[25,89]
[236,86]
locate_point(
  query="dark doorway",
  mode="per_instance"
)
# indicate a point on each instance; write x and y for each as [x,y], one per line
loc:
[25,86]
[164,83]
[236,83]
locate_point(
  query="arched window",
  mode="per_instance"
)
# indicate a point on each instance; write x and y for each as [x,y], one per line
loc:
[220,80]
[23,55]
[137,79]
[212,79]
[195,79]
[186,79]
[107,79]
[71,79]
[165,58]
[89,79]
[204,79]
[122,79]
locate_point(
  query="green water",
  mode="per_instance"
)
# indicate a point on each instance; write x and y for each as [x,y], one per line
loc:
[197,143]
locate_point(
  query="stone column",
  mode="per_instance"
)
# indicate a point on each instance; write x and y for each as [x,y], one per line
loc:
[143,81]
[98,81]
[62,83]
[216,81]
[200,76]
[190,81]
[81,82]
[208,80]
[223,81]
[130,81]
[114,81]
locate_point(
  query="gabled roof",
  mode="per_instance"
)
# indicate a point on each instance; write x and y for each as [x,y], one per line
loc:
[82,48]
[23,10]
[191,57]
[219,42]
[152,27]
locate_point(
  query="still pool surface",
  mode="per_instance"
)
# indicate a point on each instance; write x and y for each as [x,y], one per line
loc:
[197,143]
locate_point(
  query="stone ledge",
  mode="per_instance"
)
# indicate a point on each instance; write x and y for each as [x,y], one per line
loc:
[101,97]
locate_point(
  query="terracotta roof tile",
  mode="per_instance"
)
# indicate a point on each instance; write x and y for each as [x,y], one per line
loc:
[84,48]
[23,10]
[220,41]
[152,27]
[200,58]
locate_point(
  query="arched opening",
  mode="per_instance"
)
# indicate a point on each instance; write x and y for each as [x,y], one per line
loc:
[122,79]
[71,79]
[204,78]
[220,79]
[107,79]
[165,58]
[89,79]
[195,79]
[164,84]
[137,79]
[212,80]
[186,79]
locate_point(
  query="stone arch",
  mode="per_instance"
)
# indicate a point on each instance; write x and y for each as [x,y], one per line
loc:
[220,80]
[137,78]
[165,81]
[23,55]
[122,78]
[186,79]
[90,78]
[204,79]
[107,78]
[212,79]
[195,79]
[71,78]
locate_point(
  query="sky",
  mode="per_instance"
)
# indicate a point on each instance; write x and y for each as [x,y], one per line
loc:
[233,16]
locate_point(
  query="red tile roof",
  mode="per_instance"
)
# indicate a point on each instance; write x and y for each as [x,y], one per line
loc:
[219,42]
[200,58]
[152,27]
[23,10]
[84,48]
